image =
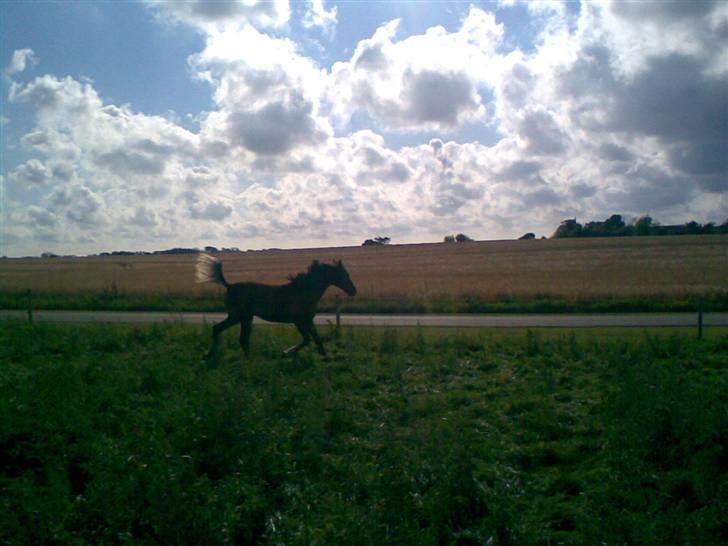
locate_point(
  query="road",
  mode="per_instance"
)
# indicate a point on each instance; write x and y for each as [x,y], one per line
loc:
[456,321]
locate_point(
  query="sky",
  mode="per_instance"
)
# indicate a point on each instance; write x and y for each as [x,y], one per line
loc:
[146,125]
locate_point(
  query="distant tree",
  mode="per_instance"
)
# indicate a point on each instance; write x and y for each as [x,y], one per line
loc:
[612,227]
[377,241]
[49,255]
[643,225]
[449,239]
[527,236]
[568,228]
[177,250]
[693,228]
[210,249]
[462,238]
[614,224]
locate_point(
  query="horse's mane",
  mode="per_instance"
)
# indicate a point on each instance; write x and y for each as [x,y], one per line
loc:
[314,271]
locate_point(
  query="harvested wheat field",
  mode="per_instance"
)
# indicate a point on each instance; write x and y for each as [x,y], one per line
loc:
[489,270]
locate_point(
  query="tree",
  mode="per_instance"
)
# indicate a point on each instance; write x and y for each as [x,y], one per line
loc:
[462,238]
[693,228]
[614,224]
[449,239]
[527,236]
[377,241]
[568,228]
[643,225]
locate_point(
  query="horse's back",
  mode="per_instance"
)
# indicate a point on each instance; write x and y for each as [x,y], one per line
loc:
[243,296]
[272,303]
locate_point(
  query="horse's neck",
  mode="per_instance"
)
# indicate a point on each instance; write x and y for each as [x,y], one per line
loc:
[314,288]
[319,287]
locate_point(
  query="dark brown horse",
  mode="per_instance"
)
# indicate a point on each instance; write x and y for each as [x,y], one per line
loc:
[295,302]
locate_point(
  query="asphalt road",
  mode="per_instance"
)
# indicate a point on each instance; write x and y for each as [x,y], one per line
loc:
[455,321]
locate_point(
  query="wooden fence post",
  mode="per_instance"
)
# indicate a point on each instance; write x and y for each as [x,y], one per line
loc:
[700,323]
[338,315]
[30,306]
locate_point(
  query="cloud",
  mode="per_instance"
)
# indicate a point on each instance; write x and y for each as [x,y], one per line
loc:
[97,163]
[423,82]
[20,60]
[42,217]
[268,103]
[318,16]
[275,128]
[32,172]
[520,170]
[438,98]
[214,210]
[82,206]
[214,15]
[144,217]
[542,133]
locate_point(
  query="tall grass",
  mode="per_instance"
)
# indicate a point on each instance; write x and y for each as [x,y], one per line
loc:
[122,434]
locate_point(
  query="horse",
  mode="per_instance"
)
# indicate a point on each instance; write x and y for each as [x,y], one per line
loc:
[295,302]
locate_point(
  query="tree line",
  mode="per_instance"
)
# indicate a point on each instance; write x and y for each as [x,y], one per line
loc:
[615,226]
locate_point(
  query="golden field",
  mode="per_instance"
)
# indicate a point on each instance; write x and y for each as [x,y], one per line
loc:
[573,268]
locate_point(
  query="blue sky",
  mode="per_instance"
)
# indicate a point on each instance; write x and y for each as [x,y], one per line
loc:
[145,125]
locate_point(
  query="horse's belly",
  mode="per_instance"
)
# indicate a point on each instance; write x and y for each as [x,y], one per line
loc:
[273,317]
[283,313]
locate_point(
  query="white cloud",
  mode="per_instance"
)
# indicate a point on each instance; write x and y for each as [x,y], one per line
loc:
[268,104]
[20,60]
[431,81]
[218,15]
[318,16]
[31,172]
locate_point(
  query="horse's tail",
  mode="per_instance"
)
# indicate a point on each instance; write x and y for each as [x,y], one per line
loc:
[209,269]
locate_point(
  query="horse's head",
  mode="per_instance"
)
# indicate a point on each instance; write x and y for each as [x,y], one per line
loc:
[341,279]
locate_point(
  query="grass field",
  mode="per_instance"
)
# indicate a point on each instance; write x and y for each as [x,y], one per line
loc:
[121,435]
[594,275]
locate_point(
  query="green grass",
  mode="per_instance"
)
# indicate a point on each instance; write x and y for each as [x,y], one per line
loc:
[121,434]
[113,300]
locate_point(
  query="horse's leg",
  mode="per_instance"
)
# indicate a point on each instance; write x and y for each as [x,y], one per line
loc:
[317,338]
[219,328]
[305,332]
[246,326]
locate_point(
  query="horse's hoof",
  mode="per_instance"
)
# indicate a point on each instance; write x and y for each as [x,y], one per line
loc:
[211,360]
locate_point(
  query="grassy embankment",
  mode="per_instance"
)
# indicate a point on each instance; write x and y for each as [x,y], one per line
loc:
[120,434]
[113,300]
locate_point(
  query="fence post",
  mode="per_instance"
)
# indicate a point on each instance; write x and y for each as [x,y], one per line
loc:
[338,315]
[700,323]
[30,306]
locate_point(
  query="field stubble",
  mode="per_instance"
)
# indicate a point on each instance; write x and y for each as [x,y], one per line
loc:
[423,277]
